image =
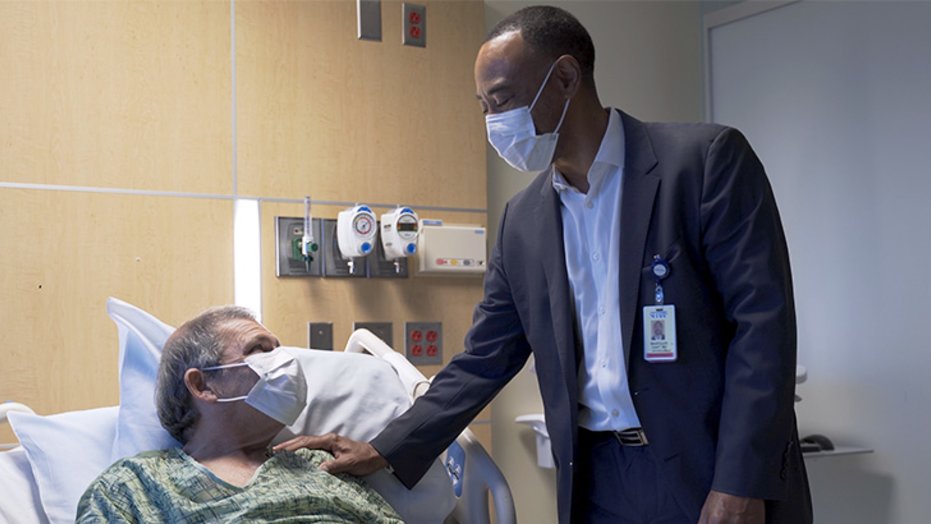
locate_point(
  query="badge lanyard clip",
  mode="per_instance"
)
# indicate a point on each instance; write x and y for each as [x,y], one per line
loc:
[660,269]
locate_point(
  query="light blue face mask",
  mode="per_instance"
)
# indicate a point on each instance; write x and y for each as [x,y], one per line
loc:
[514,136]
[281,391]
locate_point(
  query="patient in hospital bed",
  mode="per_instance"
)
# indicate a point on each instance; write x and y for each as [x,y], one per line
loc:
[224,392]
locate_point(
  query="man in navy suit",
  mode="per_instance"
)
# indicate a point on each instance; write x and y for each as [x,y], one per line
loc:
[628,223]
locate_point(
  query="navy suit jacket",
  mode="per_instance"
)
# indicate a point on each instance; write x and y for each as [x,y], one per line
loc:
[721,416]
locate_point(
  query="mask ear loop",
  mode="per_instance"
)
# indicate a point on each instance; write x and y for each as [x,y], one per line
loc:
[225,366]
[545,80]
[228,366]
[565,107]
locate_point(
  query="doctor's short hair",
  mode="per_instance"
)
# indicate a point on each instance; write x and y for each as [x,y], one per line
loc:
[197,343]
[553,32]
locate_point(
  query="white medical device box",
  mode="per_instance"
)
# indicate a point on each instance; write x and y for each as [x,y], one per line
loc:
[399,230]
[450,249]
[355,231]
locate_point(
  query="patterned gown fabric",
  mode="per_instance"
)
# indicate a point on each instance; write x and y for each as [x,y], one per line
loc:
[170,486]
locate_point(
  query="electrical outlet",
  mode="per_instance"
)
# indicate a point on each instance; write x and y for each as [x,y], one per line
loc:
[334,265]
[382,330]
[320,335]
[289,262]
[424,342]
[414,24]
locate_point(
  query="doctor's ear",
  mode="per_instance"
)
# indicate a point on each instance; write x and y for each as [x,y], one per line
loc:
[196,384]
[568,75]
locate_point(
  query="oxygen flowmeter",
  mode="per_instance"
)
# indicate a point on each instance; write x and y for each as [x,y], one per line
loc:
[308,244]
[399,230]
[355,232]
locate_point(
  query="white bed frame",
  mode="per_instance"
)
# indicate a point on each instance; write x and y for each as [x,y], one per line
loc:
[475,474]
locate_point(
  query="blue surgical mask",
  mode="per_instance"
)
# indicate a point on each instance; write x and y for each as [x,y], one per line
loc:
[514,136]
[281,391]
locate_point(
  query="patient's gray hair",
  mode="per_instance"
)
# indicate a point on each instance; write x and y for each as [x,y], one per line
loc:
[196,344]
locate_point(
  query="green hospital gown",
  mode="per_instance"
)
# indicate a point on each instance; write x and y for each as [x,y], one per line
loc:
[170,486]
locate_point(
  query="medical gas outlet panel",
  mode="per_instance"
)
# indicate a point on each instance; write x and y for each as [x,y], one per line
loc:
[357,245]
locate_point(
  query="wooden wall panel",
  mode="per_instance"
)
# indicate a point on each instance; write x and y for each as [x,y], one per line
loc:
[65,253]
[323,113]
[118,94]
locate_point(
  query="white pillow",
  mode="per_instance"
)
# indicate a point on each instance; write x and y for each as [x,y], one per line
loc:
[67,452]
[19,493]
[141,338]
[354,395]
[357,396]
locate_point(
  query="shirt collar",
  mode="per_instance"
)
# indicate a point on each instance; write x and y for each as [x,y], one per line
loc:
[610,154]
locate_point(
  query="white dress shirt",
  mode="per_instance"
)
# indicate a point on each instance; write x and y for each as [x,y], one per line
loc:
[591,237]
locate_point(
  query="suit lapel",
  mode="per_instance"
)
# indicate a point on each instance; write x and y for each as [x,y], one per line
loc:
[552,254]
[639,192]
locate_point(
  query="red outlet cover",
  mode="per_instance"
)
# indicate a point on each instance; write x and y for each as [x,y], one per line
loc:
[416,350]
[416,335]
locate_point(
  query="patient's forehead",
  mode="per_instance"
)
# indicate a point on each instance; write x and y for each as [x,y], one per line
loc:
[240,337]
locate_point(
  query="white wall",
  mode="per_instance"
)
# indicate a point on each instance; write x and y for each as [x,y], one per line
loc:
[836,99]
[648,63]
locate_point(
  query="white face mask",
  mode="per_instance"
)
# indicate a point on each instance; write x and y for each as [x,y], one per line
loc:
[515,138]
[281,392]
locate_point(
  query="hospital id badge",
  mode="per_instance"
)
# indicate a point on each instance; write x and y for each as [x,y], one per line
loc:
[659,334]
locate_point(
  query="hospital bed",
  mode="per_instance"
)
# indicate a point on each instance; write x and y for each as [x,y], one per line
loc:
[474,474]
[35,475]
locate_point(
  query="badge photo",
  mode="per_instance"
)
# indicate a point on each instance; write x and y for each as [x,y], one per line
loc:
[659,334]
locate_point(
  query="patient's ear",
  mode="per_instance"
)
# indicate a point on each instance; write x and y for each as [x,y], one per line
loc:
[197,386]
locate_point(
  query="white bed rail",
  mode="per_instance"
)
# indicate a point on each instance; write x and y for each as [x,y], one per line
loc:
[472,470]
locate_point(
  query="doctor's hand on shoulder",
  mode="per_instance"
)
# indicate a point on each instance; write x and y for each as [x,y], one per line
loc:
[349,456]
[723,508]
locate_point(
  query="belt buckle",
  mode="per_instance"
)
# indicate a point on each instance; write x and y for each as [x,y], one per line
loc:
[633,437]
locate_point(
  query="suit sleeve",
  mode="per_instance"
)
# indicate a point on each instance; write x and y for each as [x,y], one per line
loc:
[746,251]
[495,350]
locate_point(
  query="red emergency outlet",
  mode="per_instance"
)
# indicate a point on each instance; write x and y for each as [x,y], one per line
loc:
[414,32]
[424,342]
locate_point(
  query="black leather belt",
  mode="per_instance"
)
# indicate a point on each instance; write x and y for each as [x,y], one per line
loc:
[634,437]
[631,437]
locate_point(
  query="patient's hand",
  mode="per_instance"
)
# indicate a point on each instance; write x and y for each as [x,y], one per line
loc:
[349,456]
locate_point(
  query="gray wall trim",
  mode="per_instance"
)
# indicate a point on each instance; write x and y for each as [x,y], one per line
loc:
[114,191]
[284,200]
[214,196]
